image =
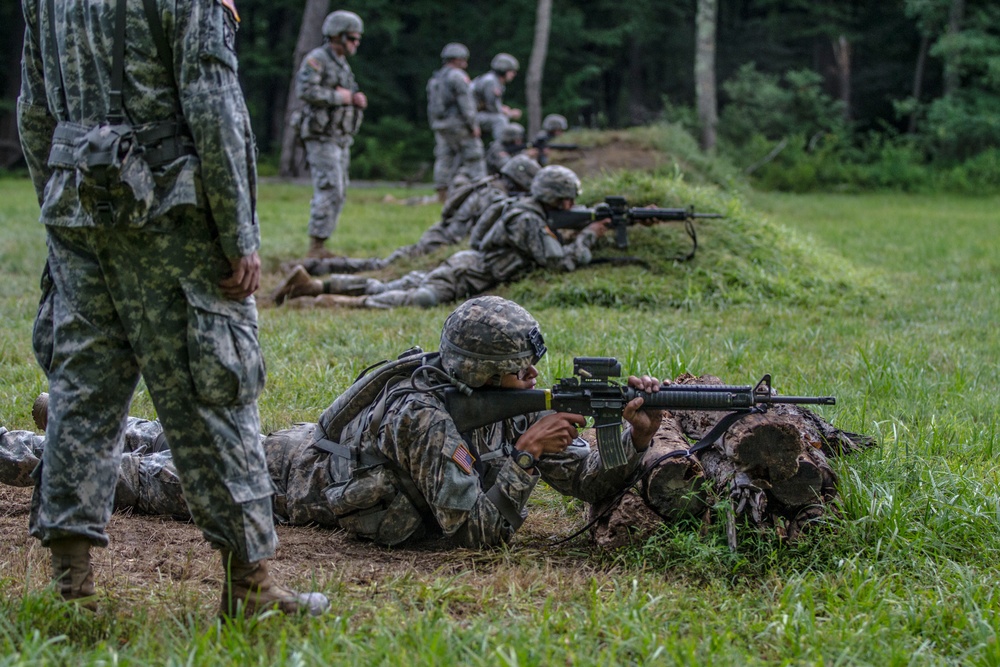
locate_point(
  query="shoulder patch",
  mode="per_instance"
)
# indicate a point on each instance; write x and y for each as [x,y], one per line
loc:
[231,6]
[314,63]
[463,458]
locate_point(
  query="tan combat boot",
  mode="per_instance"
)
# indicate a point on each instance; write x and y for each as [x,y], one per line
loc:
[40,411]
[248,589]
[71,571]
[298,283]
[317,248]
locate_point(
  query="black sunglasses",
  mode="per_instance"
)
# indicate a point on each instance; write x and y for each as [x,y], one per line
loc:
[356,39]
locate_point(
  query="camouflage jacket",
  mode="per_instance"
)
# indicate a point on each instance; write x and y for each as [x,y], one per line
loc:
[324,115]
[488,90]
[68,82]
[449,100]
[456,478]
[521,240]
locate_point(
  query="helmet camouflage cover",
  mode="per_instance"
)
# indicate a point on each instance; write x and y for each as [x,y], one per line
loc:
[555,122]
[553,183]
[504,62]
[454,50]
[341,21]
[512,132]
[521,169]
[489,336]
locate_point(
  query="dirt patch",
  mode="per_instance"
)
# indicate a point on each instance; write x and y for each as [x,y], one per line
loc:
[163,560]
[616,152]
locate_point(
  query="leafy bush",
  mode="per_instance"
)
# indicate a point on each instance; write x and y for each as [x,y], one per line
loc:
[392,148]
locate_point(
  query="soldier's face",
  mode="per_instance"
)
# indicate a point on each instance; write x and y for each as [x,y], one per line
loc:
[526,379]
[509,75]
[352,41]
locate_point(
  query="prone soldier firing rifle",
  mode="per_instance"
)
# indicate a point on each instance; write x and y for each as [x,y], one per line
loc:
[616,209]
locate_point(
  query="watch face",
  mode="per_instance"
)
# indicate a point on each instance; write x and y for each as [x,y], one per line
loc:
[524,459]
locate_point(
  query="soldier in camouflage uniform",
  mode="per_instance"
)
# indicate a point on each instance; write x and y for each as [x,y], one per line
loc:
[462,210]
[553,126]
[332,114]
[451,111]
[509,144]
[517,243]
[151,269]
[399,470]
[488,89]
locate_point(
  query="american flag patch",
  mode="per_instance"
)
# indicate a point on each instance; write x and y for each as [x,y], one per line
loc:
[463,457]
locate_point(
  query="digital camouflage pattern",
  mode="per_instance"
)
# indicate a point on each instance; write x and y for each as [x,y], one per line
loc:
[487,91]
[487,337]
[452,115]
[327,128]
[518,242]
[416,435]
[500,152]
[145,299]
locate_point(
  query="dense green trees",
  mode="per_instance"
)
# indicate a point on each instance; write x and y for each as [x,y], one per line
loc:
[924,74]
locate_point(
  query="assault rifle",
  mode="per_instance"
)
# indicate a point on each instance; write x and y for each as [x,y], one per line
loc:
[622,216]
[594,394]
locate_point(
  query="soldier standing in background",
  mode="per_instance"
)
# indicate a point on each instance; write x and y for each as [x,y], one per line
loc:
[451,111]
[332,114]
[488,89]
[139,145]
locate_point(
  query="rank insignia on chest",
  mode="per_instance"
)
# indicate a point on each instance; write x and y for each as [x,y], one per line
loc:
[463,457]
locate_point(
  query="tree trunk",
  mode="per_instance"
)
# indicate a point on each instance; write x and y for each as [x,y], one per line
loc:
[310,36]
[10,145]
[918,81]
[704,72]
[952,77]
[536,66]
[842,57]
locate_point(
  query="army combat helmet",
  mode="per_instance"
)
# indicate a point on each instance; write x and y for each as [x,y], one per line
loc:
[553,183]
[489,336]
[455,51]
[504,62]
[521,169]
[512,133]
[555,123]
[341,21]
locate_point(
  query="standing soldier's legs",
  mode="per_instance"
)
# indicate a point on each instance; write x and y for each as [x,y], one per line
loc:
[445,154]
[328,166]
[472,158]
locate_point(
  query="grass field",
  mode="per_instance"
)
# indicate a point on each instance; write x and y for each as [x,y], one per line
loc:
[889,302]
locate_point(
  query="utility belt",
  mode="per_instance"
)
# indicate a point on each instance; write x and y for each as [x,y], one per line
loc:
[158,143]
[114,163]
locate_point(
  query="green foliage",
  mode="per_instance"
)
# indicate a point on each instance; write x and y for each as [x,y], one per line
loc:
[392,148]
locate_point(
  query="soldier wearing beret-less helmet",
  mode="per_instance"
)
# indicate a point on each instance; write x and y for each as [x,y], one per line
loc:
[520,241]
[396,468]
[451,112]
[331,116]
[488,89]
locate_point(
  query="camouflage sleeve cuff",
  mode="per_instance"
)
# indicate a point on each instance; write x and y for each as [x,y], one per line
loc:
[516,483]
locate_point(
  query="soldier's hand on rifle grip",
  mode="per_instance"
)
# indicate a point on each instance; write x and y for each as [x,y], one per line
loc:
[551,434]
[644,423]
[599,227]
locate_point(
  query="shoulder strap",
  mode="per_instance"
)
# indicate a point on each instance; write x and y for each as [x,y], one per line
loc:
[55,49]
[116,105]
[163,50]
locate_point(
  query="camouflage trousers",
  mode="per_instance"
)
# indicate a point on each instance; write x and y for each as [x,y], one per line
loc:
[462,275]
[329,163]
[492,123]
[123,302]
[458,157]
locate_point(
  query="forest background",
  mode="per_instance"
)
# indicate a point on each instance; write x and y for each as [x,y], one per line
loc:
[799,94]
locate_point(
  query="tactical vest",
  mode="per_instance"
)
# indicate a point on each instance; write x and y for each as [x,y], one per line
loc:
[114,159]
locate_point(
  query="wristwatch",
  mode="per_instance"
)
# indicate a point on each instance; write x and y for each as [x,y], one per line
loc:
[524,459]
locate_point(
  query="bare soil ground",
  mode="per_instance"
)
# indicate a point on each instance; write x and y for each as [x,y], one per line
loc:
[158,558]
[618,151]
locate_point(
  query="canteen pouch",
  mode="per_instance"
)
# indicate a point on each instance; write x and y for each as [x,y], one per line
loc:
[115,183]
